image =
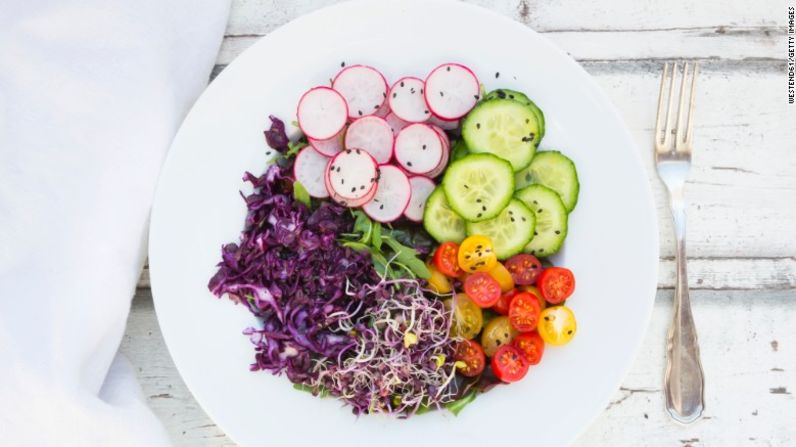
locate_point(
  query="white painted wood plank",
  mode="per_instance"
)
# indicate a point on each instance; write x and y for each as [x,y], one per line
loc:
[748,352]
[263,16]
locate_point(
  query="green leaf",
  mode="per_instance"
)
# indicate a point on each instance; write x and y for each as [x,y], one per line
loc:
[408,257]
[363,225]
[358,246]
[294,148]
[321,392]
[376,236]
[300,193]
[458,405]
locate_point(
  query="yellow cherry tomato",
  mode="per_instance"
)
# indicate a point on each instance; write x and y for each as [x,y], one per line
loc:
[476,254]
[535,292]
[438,282]
[467,316]
[498,332]
[502,276]
[557,325]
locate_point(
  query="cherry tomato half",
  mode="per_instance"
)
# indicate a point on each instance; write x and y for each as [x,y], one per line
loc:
[497,332]
[446,259]
[482,289]
[535,292]
[524,269]
[524,312]
[502,305]
[467,317]
[438,282]
[556,284]
[502,276]
[557,325]
[476,254]
[472,358]
[532,345]
[509,364]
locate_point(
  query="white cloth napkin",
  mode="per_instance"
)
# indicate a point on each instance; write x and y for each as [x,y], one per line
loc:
[91,94]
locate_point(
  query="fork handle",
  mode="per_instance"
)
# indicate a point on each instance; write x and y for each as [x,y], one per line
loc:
[684,381]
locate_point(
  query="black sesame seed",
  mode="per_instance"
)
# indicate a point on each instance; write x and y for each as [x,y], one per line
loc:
[569,332]
[479,215]
[466,256]
[338,169]
[511,96]
[381,207]
[360,112]
[342,181]
[472,269]
[267,152]
[527,120]
[528,177]
[547,318]
[558,232]
[359,152]
[501,94]
[476,97]
[483,207]
[478,247]
[497,342]
[342,64]
[497,74]
[426,112]
[512,219]
[448,68]
[394,94]
[409,163]
[353,189]
[539,210]
[384,94]
[535,233]
[376,107]
[441,94]
[488,250]
[348,151]
[424,147]
[402,83]
[479,201]
[511,213]
[535,202]
[466,187]
[505,335]
[523,219]
[533,266]
[412,90]
[477,125]
[362,187]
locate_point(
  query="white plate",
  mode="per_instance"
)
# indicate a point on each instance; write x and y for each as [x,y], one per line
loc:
[612,245]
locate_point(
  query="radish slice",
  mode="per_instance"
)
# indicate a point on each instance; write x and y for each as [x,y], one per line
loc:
[406,100]
[309,170]
[444,124]
[396,124]
[329,147]
[442,135]
[384,110]
[321,113]
[352,174]
[418,148]
[351,203]
[372,134]
[392,195]
[451,91]
[421,188]
[363,87]
[446,153]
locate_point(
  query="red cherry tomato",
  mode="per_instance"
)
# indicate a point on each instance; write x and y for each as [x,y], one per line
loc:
[556,284]
[502,305]
[483,289]
[472,357]
[524,312]
[509,364]
[446,259]
[530,344]
[524,269]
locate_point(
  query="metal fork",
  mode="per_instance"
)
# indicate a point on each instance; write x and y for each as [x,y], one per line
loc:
[683,381]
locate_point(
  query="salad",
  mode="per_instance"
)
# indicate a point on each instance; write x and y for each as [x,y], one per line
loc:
[396,254]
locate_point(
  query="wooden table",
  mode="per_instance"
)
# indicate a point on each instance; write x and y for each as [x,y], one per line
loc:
[742,218]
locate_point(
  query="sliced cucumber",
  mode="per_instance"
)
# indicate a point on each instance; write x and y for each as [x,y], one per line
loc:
[551,219]
[510,231]
[504,128]
[520,97]
[478,186]
[554,170]
[441,222]
[459,150]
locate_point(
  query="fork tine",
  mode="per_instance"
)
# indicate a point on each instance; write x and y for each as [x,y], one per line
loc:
[690,128]
[668,127]
[659,126]
[680,134]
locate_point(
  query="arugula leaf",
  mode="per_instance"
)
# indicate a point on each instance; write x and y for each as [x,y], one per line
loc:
[458,405]
[408,257]
[363,225]
[294,148]
[376,236]
[358,246]
[300,193]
